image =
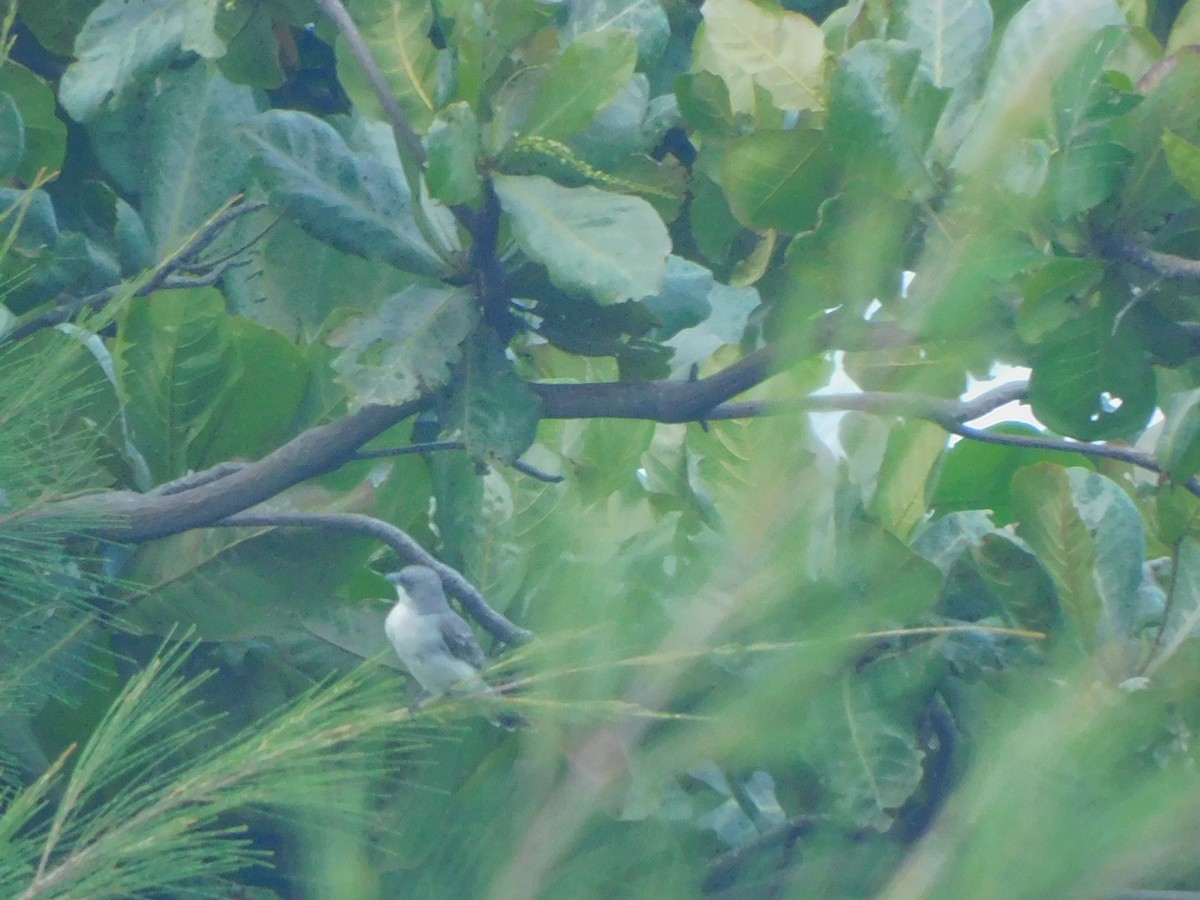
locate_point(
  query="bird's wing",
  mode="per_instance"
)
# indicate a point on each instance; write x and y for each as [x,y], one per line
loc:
[460,640]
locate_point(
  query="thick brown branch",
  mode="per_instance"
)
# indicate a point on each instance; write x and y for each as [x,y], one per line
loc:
[128,516]
[1168,265]
[659,401]
[355,523]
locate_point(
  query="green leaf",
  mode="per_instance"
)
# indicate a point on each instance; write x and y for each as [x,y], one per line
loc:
[177,363]
[646,20]
[194,162]
[583,80]
[683,302]
[958,273]
[1090,161]
[952,35]
[904,476]
[1049,522]
[1050,296]
[610,246]
[45,132]
[620,129]
[751,46]
[778,179]
[1091,383]
[1184,159]
[125,41]
[989,571]
[977,475]
[404,349]
[704,102]
[868,749]
[55,23]
[882,115]
[1178,450]
[353,202]
[454,154]
[1040,41]
[12,137]
[1185,29]
[253,54]
[235,584]
[397,36]
[257,413]
[1088,535]
[490,408]
[294,282]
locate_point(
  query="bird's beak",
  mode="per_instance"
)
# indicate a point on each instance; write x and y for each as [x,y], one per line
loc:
[393,577]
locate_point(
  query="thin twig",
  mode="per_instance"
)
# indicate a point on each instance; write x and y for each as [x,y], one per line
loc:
[406,137]
[166,275]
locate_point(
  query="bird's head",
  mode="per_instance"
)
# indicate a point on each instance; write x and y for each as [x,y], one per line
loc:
[420,583]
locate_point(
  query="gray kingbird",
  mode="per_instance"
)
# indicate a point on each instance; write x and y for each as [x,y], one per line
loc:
[434,642]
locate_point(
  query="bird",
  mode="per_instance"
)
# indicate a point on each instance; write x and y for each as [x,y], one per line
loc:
[434,642]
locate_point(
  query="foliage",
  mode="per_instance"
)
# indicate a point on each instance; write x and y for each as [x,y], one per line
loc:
[549,290]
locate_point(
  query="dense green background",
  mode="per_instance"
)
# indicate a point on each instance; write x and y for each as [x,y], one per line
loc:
[610,250]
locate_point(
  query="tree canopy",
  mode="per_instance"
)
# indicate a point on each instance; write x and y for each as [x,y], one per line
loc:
[800,398]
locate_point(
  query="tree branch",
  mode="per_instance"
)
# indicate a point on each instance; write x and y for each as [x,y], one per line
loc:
[355,523]
[164,276]
[659,401]
[406,137]
[127,516]
[1167,265]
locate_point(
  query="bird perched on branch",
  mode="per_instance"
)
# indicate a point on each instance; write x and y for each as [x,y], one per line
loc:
[434,642]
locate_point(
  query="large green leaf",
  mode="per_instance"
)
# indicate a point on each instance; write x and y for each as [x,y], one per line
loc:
[55,23]
[1184,159]
[610,246]
[1050,295]
[1090,160]
[354,202]
[904,475]
[45,132]
[257,412]
[405,348]
[1088,535]
[12,136]
[1039,42]
[583,80]
[778,179]
[176,364]
[397,34]
[194,162]
[253,57]
[1178,450]
[751,46]
[866,746]
[295,282]
[977,475]
[453,145]
[952,35]
[882,114]
[1092,379]
[646,20]
[125,41]
[231,584]
[490,408]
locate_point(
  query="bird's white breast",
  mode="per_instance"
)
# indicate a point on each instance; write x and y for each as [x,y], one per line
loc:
[418,642]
